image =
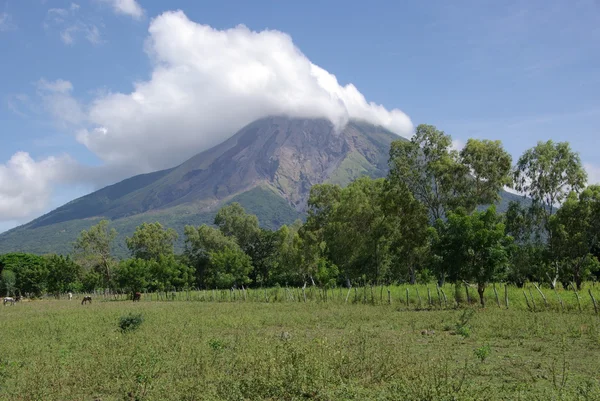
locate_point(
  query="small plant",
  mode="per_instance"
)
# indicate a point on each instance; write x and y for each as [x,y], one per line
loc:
[130,322]
[464,331]
[216,344]
[462,326]
[482,352]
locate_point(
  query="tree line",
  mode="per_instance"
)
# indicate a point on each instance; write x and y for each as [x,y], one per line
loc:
[432,218]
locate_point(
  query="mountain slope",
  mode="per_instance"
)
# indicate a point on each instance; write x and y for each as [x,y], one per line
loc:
[268,166]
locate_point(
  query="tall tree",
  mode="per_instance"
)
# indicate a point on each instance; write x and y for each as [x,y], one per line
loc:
[472,248]
[486,170]
[63,274]
[9,282]
[233,221]
[575,232]
[94,247]
[228,267]
[442,178]
[150,241]
[201,243]
[547,173]
[527,253]
[426,164]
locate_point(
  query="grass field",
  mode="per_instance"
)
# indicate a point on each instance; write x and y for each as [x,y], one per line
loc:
[61,350]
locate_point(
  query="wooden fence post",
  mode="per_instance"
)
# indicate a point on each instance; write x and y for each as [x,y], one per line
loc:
[562,307]
[468,295]
[496,294]
[542,294]
[532,300]
[419,297]
[526,300]
[593,300]
[577,296]
[506,295]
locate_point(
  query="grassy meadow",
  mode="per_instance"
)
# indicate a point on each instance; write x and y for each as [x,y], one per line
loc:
[244,348]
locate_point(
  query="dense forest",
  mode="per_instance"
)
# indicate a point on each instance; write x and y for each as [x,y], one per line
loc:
[428,220]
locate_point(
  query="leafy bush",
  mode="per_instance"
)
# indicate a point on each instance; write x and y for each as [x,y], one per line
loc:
[482,352]
[130,322]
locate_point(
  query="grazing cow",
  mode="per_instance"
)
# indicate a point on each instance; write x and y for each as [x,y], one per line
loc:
[9,300]
[86,300]
[70,295]
[137,296]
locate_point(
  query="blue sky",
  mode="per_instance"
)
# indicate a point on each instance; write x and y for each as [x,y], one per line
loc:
[80,81]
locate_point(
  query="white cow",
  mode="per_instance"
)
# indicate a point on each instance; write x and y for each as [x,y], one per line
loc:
[9,300]
[70,295]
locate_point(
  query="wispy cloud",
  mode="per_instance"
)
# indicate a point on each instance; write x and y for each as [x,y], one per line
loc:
[72,25]
[593,171]
[6,22]
[126,7]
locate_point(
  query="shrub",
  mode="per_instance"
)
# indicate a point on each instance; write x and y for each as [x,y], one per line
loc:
[482,352]
[130,322]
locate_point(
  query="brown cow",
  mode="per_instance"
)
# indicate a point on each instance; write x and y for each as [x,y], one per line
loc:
[137,296]
[86,300]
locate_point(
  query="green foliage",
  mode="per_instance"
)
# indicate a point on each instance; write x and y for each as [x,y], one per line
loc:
[443,179]
[228,267]
[574,234]
[472,248]
[30,272]
[8,282]
[547,173]
[93,248]
[482,352]
[130,322]
[63,274]
[150,241]
[233,221]
[133,274]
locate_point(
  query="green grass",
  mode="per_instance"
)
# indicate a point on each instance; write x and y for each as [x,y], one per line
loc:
[289,350]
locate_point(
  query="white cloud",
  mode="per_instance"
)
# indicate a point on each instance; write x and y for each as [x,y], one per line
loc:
[126,7]
[58,101]
[457,145]
[71,25]
[593,173]
[6,23]
[207,84]
[26,185]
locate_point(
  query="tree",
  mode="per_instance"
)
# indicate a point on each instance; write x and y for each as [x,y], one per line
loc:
[133,275]
[426,164]
[63,274]
[472,248]
[30,271]
[443,179]
[150,241]
[94,246]
[527,252]
[575,230]
[9,281]
[228,267]
[265,255]
[547,173]
[168,273]
[289,266]
[233,221]
[199,243]
[487,169]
